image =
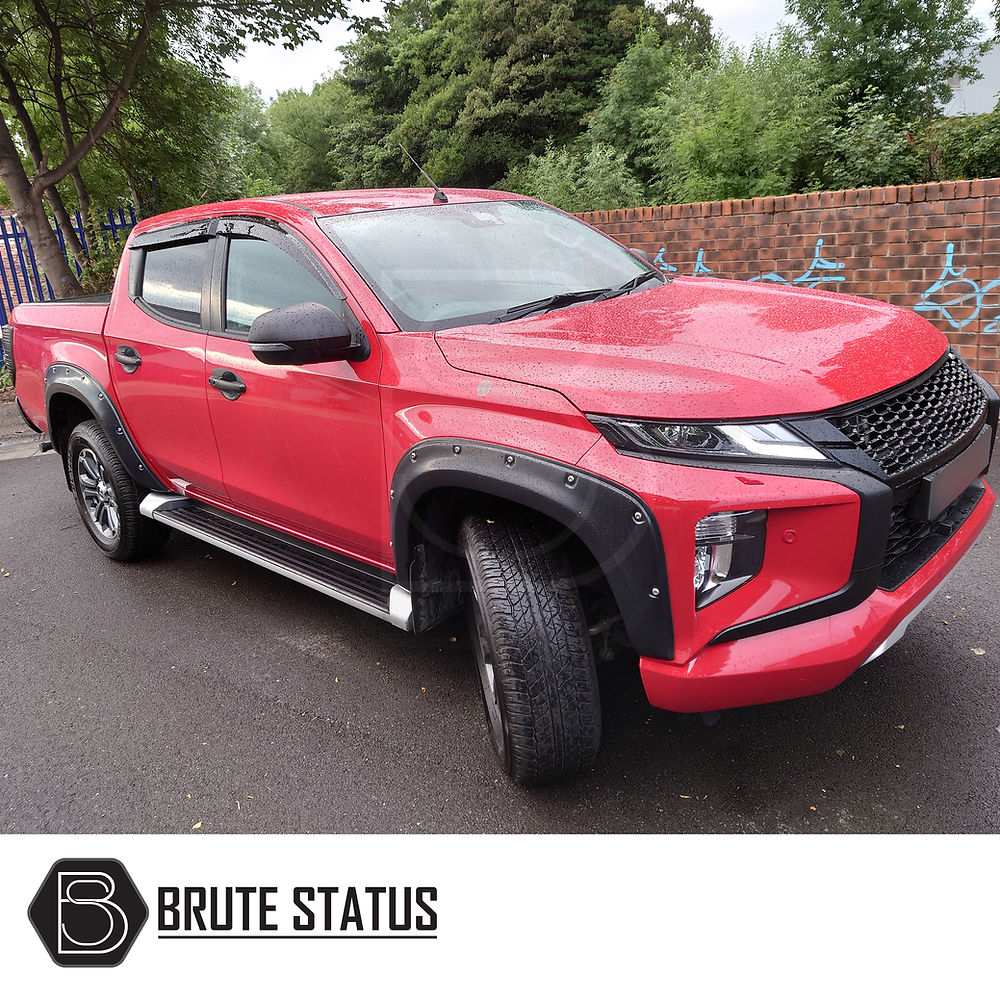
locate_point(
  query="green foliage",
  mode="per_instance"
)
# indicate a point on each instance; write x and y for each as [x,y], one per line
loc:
[601,104]
[472,88]
[6,382]
[621,118]
[303,129]
[681,25]
[180,110]
[871,147]
[904,51]
[103,257]
[741,126]
[583,103]
[71,71]
[966,146]
[596,178]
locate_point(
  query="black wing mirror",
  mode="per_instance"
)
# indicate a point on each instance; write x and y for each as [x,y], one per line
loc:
[302,334]
[644,254]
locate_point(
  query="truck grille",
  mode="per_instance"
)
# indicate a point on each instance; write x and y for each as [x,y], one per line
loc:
[907,431]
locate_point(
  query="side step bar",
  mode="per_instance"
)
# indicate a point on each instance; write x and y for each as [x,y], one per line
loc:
[363,587]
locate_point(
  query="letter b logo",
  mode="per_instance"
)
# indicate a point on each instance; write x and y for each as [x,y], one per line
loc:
[87,912]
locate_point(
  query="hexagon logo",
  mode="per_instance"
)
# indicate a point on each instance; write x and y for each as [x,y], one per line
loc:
[88,912]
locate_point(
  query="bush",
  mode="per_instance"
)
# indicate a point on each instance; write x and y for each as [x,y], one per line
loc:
[103,257]
[628,93]
[966,146]
[742,126]
[872,147]
[589,180]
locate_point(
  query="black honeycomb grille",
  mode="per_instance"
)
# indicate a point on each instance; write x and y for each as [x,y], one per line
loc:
[912,542]
[909,430]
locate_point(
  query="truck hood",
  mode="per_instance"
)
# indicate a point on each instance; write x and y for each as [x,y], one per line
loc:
[706,348]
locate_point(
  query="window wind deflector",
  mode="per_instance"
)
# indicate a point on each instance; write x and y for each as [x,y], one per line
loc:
[172,234]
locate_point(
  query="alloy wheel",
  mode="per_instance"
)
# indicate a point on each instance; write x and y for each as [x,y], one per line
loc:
[98,494]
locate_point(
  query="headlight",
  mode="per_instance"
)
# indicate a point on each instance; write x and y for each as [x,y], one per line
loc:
[769,442]
[728,551]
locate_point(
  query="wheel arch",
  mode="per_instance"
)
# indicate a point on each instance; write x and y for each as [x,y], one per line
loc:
[440,480]
[72,396]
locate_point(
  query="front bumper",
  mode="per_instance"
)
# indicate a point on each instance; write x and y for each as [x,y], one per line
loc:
[810,657]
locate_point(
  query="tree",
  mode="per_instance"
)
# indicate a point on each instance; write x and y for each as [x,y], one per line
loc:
[620,119]
[472,87]
[186,135]
[75,62]
[681,25]
[905,51]
[303,128]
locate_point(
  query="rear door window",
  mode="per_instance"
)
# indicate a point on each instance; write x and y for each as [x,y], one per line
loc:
[172,281]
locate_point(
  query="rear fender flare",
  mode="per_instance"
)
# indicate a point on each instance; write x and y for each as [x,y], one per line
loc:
[63,379]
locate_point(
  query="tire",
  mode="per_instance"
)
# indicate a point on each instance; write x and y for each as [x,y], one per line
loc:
[533,650]
[107,497]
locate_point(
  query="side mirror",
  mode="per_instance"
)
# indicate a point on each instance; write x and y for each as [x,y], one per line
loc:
[644,254]
[301,334]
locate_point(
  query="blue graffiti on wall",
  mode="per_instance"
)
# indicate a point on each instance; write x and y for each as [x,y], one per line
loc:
[813,276]
[954,297]
[959,293]
[700,267]
[816,274]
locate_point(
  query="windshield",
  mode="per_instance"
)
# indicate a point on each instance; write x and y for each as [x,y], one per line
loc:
[440,266]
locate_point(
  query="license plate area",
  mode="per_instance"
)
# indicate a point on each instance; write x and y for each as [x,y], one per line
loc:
[939,489]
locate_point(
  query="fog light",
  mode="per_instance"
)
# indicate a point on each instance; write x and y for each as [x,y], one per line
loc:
[729,550]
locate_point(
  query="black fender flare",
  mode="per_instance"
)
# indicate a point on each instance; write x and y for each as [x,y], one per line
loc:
[614,523]
[69,380]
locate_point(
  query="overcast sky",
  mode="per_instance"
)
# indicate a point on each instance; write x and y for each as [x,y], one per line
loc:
[272,68]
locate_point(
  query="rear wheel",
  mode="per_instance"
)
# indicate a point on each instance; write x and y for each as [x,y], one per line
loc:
[532,648]
[107,497]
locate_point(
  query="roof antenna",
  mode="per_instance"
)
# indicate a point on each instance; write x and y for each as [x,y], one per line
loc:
[439,195]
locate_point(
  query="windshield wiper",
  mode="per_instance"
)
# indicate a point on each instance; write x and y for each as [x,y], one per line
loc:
[568,298]
[628,286]
[544,305]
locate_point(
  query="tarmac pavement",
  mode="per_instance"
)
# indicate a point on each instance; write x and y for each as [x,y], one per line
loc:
[196,688]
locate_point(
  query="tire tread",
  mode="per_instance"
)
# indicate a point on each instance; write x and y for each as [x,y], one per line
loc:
[544,659]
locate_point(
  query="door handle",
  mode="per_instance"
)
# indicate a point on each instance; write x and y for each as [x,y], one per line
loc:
[128,358]
[228,383]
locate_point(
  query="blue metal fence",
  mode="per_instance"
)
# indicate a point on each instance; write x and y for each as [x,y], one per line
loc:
[21,280]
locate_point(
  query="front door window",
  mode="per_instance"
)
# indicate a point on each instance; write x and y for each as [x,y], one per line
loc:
[262,277]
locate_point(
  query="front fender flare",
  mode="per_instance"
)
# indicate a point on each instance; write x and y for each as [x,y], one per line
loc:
[614,523]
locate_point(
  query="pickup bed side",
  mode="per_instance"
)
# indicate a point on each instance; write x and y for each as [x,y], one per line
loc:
[59,351]
[48,333]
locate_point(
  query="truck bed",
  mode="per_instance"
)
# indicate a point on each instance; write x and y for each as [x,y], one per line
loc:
[46,333]
[100,299]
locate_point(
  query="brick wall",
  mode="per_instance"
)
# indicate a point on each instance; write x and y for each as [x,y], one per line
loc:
[934,248]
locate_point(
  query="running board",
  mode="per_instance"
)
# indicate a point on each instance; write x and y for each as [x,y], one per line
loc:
[354,583]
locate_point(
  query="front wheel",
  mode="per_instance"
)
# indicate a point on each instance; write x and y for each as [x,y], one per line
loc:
[107,498]
[533,650]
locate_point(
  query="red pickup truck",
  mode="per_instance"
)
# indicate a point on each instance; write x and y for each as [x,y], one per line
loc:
[479,404]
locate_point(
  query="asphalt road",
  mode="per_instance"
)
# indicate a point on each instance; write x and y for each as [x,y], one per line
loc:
[196,688]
